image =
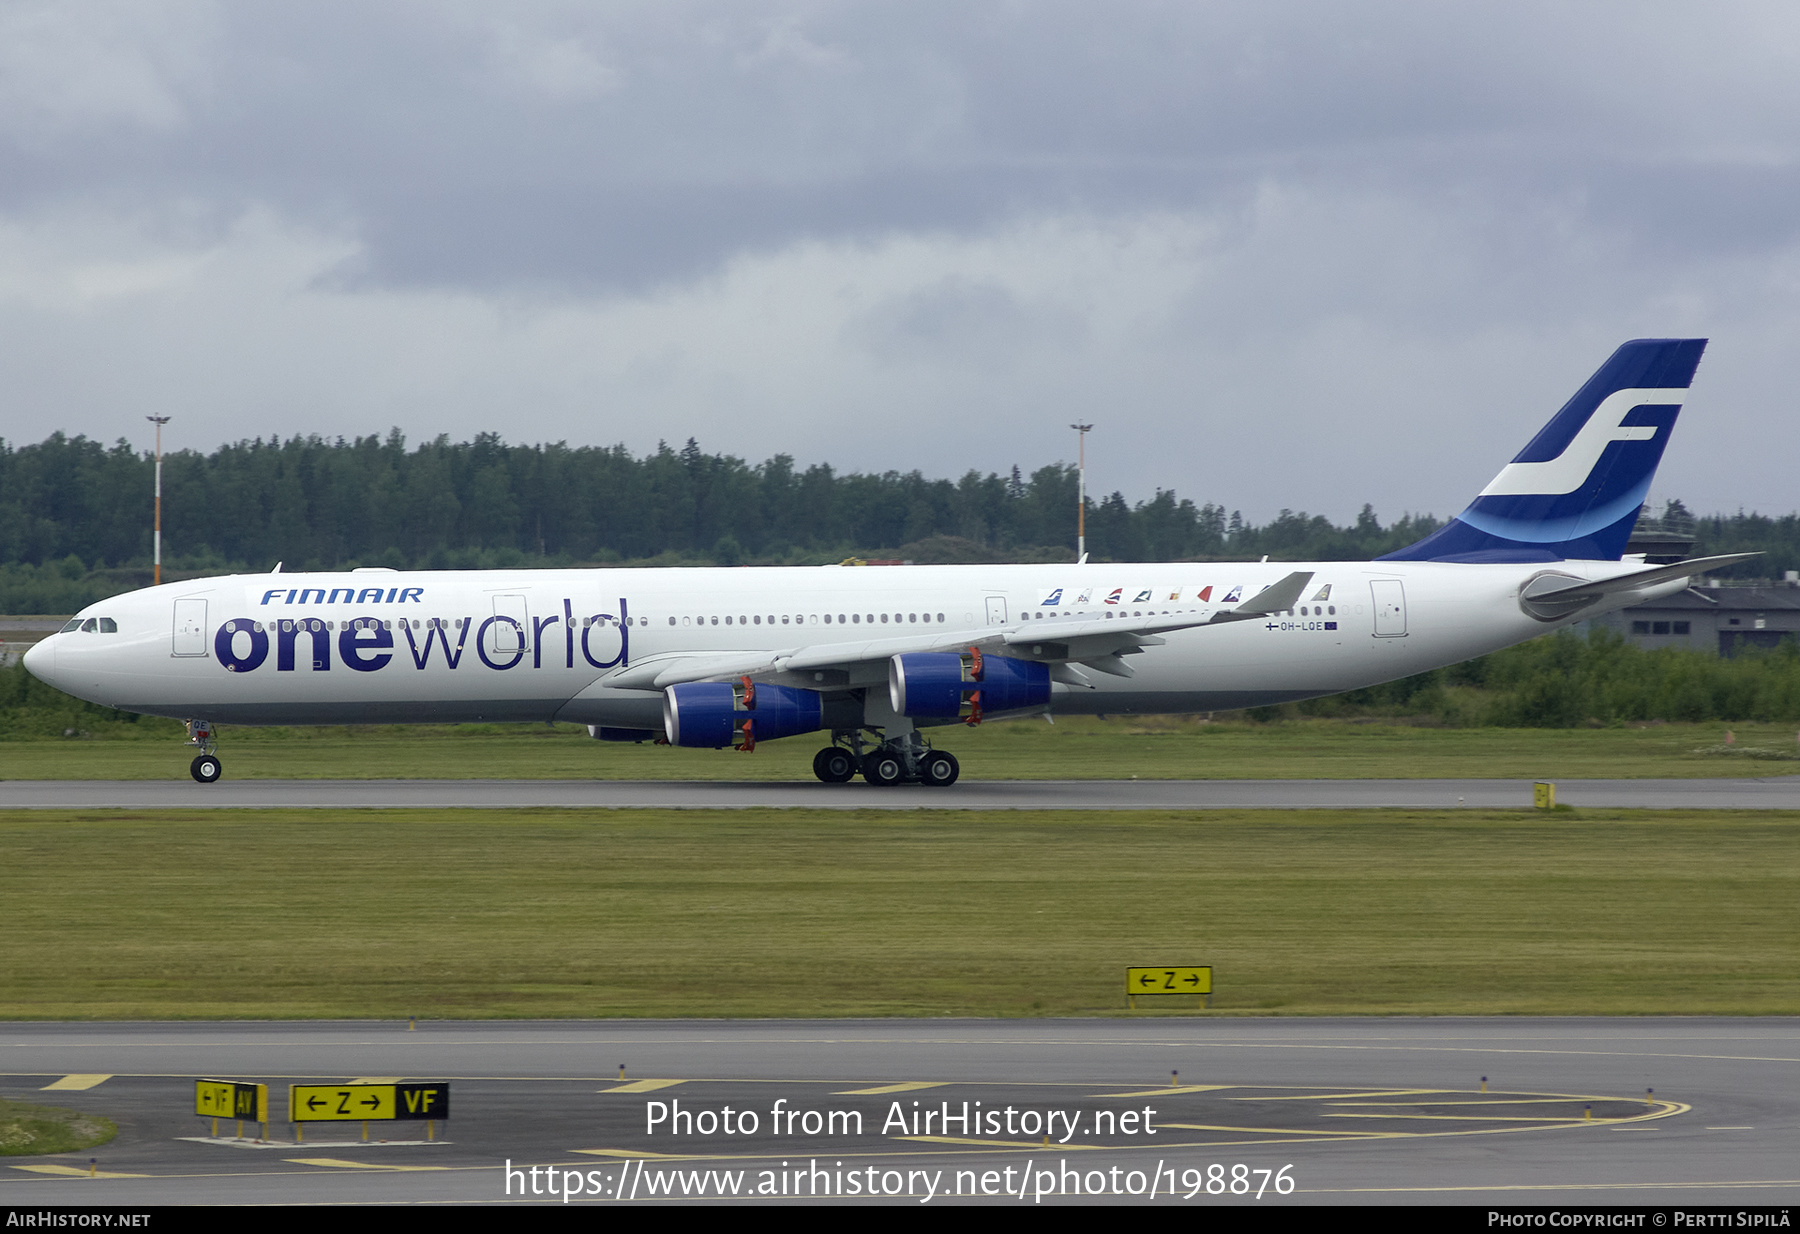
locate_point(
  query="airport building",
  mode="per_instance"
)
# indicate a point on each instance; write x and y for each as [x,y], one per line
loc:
[1719,616]
[1714,617]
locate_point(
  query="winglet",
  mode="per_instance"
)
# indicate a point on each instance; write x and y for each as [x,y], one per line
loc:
[1278,598]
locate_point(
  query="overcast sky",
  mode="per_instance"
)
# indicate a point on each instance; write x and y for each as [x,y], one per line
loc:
[1304,255]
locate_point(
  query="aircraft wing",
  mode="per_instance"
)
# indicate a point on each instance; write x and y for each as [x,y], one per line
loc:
[1097,643]
[658,672]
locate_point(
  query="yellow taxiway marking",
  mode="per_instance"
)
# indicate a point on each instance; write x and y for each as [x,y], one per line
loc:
[1482,1101]
[1485,1118]
[905,1086]
[69,1171]
[77,1081]
[376,1079]
[956,1139]
[632,1152]
[1170,1089]
[1334,1096]
[1314,1132]
[1546,1123]
[643,1086]
[339,1163]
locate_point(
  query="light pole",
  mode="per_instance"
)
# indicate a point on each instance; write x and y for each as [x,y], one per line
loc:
[159,421]
[1081,500]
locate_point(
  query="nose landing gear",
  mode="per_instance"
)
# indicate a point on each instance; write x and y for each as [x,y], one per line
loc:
[206,768]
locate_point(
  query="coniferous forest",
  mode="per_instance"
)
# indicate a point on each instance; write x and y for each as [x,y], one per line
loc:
[75,515]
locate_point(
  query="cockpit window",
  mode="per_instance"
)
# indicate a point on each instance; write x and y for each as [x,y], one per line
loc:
[108,626]
[74,624]
[89,626]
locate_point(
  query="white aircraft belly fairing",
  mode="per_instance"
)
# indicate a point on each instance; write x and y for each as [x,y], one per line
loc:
[710,657]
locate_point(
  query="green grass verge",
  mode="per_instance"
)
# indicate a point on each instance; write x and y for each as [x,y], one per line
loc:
[30,1130]
[271,914]
[1073,748]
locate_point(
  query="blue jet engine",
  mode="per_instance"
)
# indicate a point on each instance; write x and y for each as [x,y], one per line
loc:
[946,685]
[713,714]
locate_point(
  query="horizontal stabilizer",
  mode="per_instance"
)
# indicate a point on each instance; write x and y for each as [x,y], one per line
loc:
[1551,596]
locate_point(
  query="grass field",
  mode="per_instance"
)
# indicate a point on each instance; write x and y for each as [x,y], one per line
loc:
[1078,747]
[28,1130]
[271,914]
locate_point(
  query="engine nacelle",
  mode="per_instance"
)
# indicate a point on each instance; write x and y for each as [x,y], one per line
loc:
[712,714]
[931,684]
[781,711]
[946,685]
[1010,685]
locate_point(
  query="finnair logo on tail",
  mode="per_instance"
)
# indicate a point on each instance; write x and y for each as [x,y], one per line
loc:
[1569,470]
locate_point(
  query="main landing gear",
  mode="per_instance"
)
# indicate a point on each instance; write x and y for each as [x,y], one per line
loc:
[901,760]
[835,765]
[206,768]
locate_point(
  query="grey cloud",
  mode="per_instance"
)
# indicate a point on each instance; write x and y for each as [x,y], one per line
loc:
[966,322]
[580,147]
[1363,248]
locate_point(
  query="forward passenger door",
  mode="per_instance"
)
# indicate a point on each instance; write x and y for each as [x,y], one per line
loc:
[190,628]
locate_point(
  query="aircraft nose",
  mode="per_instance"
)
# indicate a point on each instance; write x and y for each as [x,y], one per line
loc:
[40,660]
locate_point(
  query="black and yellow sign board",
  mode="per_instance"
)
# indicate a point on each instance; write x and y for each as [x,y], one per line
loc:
[1171,979]
[338,1103]
[224,1099]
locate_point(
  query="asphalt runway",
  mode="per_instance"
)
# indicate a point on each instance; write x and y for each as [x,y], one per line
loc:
[1341,1111]
[1772,793]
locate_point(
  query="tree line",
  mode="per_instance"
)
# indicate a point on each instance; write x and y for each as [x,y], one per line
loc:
[75,514]
[318,504]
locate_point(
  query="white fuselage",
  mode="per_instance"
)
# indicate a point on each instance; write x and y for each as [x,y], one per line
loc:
[380,646]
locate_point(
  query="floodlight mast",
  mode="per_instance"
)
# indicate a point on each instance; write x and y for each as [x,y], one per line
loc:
[1081,499]
[159,421]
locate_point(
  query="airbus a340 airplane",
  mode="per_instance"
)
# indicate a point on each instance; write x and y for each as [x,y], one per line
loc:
[718,657]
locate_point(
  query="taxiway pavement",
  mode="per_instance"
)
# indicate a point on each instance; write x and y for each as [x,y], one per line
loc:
[1772,793]
[1357,1110]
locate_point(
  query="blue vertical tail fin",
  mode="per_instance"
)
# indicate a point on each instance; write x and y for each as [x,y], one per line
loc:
[1575,491]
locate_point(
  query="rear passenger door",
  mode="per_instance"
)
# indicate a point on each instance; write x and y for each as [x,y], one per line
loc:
[1390,607]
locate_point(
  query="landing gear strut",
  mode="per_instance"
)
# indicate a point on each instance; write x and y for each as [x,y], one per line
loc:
[904,758]
[206,768]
